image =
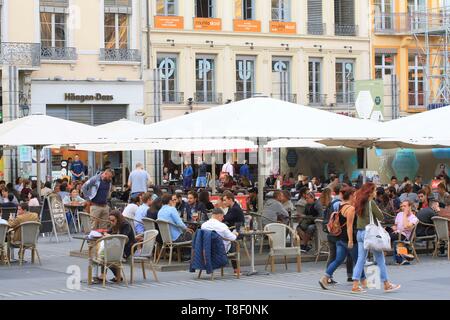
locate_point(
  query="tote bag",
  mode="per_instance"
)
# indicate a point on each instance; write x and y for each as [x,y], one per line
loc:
[376,238]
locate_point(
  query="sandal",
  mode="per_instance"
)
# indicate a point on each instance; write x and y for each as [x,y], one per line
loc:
[392,287]
[358,290]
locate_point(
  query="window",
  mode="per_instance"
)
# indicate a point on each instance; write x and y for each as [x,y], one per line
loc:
[384,14]
[166,8]
[281,10]
[315,81]
[315,17]
[167,66]
[416,83]
[205,79]
[281,86]
[384,65]
[53,30]
[345,81]
[204,8]
[416,9]
[116,31]
[344,17]
[245,9]
[245,77]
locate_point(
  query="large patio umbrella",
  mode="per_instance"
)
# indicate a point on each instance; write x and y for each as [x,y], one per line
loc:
[264,119]
[39,131]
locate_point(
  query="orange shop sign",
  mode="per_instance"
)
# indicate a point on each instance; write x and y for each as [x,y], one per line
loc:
[283,27]
[214,24]
[169,22]
[247,25]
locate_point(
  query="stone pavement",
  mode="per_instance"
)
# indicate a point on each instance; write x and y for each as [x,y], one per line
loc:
[429,279]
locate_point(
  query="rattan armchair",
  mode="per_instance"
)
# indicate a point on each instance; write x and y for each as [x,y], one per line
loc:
[146,253]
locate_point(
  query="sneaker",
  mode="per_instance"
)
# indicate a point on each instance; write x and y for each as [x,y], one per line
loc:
[392,287]
[349,279]
[324,283]
[303,248]
[332,282]
[405,263]
[235,272]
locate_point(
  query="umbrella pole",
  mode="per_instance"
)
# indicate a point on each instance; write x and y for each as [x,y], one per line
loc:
[38,169]
[124,170]
[213,173]
[365,166]
[261,182]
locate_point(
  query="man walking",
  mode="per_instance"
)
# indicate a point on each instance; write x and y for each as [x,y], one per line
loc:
[97,190]
[138,181]
[187,176]
[244,171]
[201,179]
[77,169]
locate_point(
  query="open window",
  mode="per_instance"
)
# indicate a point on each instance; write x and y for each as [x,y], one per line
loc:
[204,8]
[245,9]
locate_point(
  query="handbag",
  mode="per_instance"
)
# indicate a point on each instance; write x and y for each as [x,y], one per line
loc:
[376,238]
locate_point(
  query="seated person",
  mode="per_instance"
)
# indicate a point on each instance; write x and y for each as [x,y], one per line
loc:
[33,199]
[131,208]
[234,214]
[141,212]
[215,224]
[424,215]
[194,205]
[181,205]
[10,203]
[170,214]
[252,200]
[120,226]
[74,199]
[307,227]
[23,215]
[274,211]
[5,197]
[408,195]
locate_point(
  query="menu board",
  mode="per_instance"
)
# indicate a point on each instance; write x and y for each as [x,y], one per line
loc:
[53,216]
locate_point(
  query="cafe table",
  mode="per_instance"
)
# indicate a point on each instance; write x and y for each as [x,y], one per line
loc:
[252,234]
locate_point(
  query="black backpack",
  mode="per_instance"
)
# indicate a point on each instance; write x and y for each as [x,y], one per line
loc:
[327,214]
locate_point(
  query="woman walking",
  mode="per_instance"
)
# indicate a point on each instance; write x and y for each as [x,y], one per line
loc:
[346,241]
[364,206]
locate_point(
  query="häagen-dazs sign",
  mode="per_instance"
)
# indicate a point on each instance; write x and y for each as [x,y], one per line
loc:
[88,97]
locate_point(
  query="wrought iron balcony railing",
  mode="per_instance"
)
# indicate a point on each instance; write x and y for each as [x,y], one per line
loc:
[286,97]
[20,54]
[317,99]
[347,98]
[172,97]
[208,97]
[124,55]
[345,30]
[315,28]
[56,53]
[240,95]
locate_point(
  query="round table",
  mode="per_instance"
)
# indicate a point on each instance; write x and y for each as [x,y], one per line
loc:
[253,234]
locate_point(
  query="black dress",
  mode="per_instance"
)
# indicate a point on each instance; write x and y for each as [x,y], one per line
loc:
[126,230]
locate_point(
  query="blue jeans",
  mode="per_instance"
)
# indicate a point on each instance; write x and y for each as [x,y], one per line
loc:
[342,251]
[187,182]
[201,182]
[362,257]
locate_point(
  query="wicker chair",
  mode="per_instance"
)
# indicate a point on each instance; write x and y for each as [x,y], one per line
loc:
[146,253]
[442,235]
[149,224]
[6,212]
[85,223]
[29,232]
[428,239]
[164,229]
[3,253]
[322,240]
[114,246]
[133,223]
[278,246]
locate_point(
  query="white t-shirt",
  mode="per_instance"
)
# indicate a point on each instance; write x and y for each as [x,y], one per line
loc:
[228,167]
[221,229]
[130,210]
[33,202]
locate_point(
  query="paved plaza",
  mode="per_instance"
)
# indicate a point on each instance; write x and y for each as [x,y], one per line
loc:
[429,279]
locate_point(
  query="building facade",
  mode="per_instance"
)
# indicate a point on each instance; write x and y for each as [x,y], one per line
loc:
[75,59]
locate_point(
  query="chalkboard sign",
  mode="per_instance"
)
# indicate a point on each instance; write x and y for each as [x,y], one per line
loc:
[53,216]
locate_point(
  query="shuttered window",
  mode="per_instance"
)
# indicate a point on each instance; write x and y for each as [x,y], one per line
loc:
[88,114]
[344,17]
[315,17]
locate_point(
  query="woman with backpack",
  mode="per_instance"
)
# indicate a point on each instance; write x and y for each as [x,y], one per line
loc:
[342,226]
[364,207]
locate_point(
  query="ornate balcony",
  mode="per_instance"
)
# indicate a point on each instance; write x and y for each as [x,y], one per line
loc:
[285,97]
[21,54]
[345,30]
[317,29]
[172,97]
[56,53]
[317,99]
[120,55]
[208,97]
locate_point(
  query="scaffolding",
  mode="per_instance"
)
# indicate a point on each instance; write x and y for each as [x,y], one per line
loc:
[431,30]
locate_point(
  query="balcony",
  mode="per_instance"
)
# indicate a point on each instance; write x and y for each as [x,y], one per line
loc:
[207,97]
[238,96]
[345,99]
[60,54]
[317,29]
[25,55]
[172,97]
[317,99]
[393,23]
[345,30]
[292,98]
[120,55]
